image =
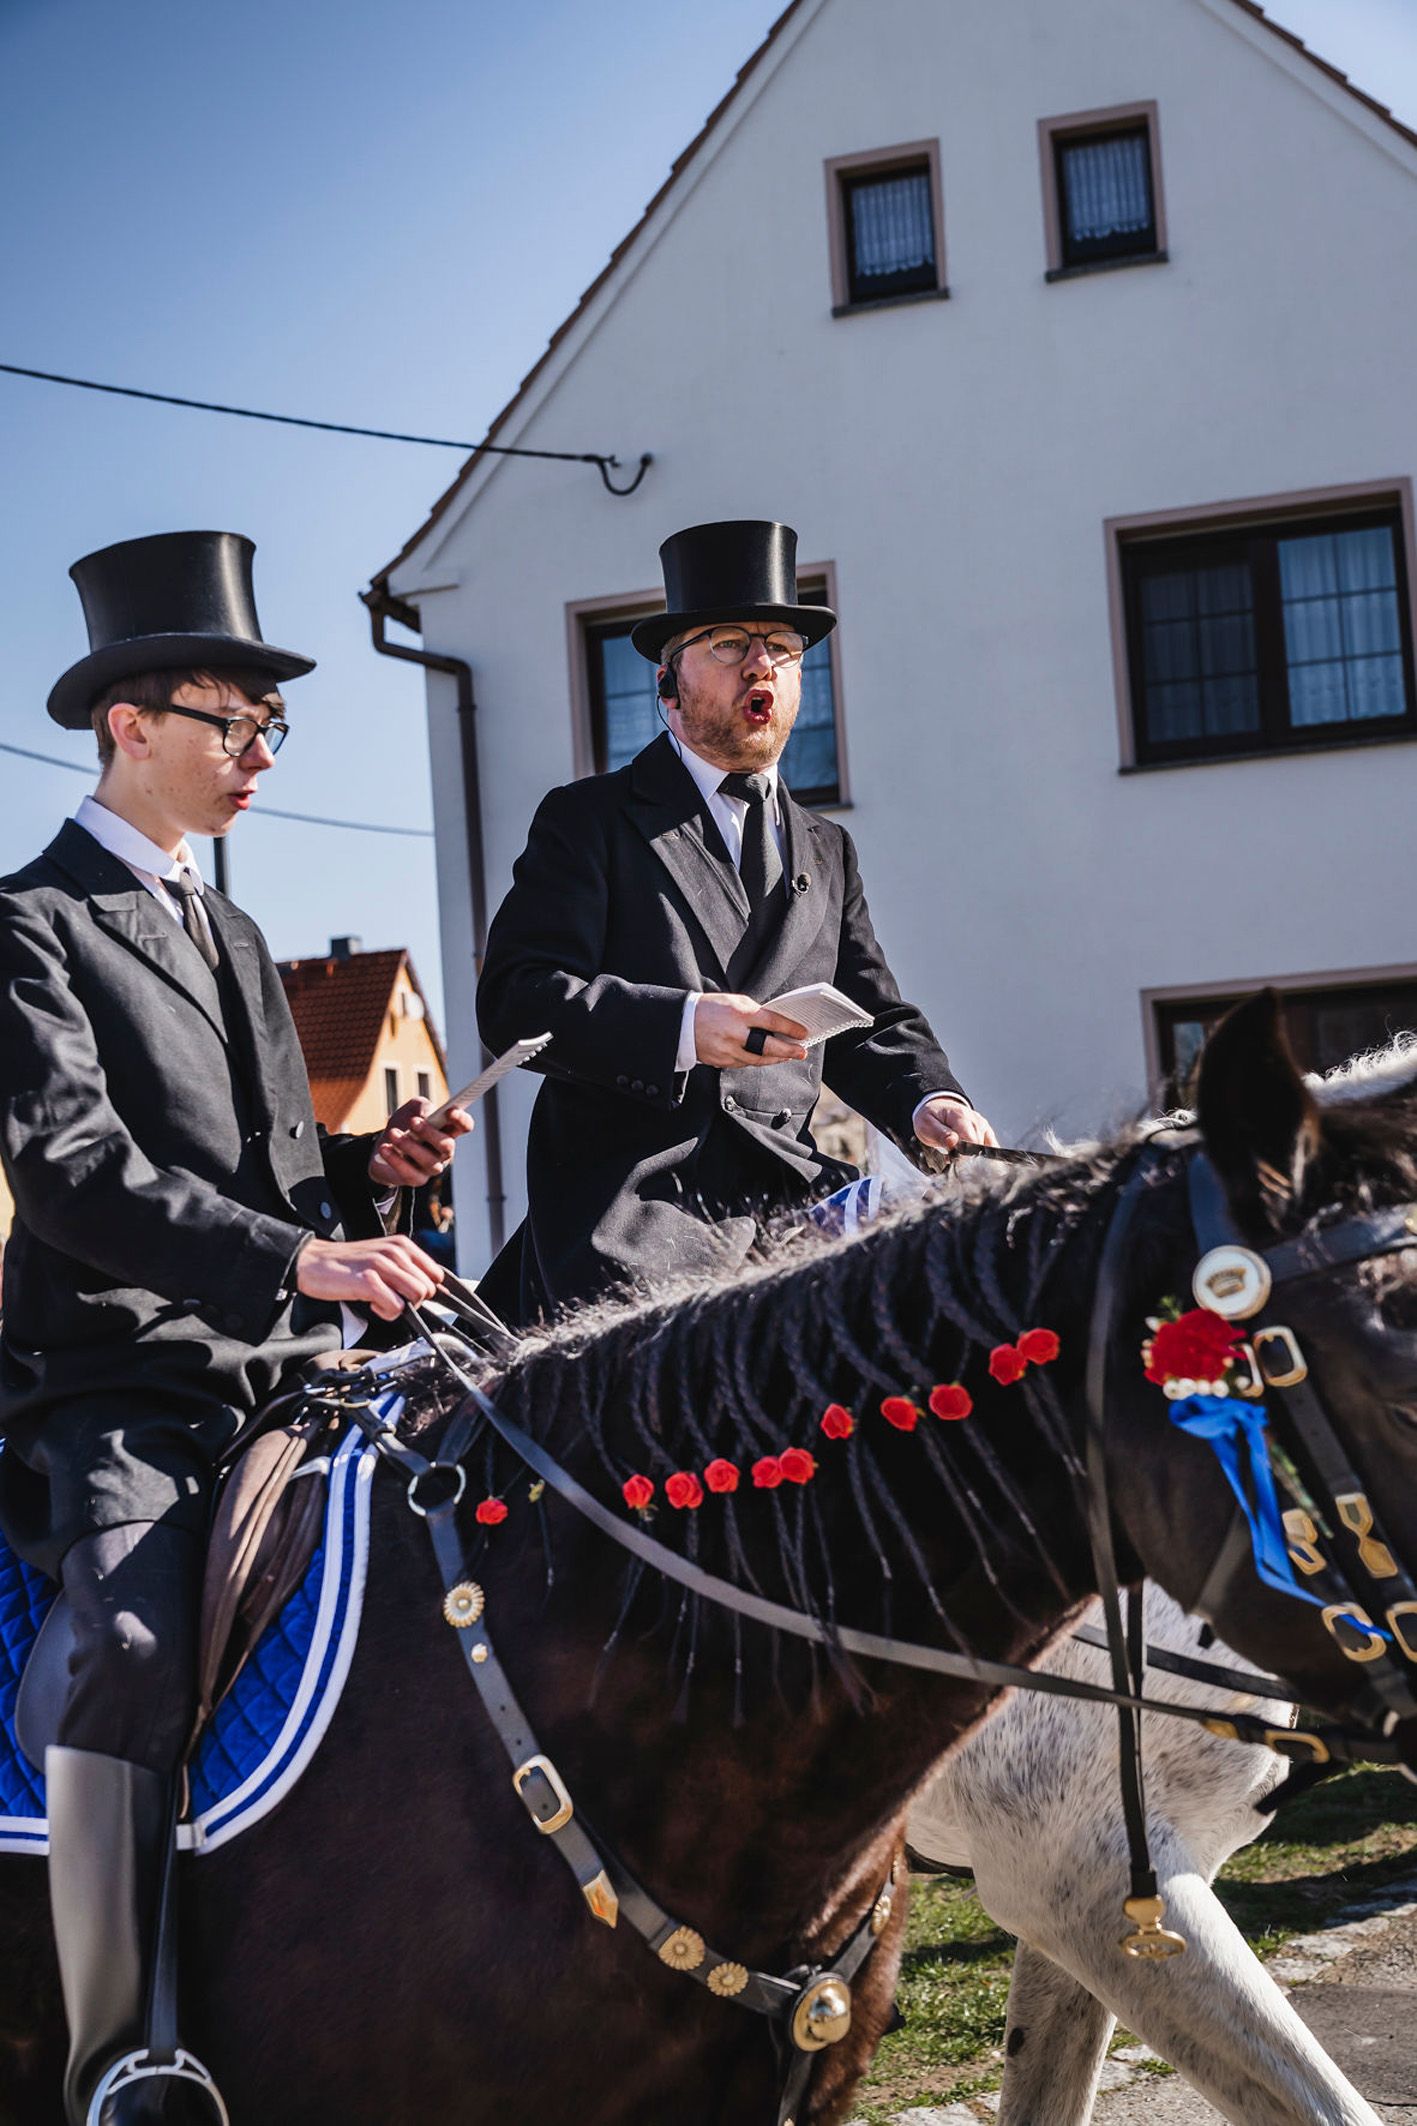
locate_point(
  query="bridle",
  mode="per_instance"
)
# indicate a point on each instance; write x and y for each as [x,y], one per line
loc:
[1333,1528]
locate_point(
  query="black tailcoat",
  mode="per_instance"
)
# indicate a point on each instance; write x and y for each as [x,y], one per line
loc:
[158,1139]
[624,899]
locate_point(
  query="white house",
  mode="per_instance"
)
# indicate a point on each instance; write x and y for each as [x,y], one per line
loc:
[1074,336]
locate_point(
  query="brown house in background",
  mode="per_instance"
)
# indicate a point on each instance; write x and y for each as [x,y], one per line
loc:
[368,1041]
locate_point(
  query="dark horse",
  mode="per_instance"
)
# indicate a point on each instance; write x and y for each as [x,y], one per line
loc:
[395,1945]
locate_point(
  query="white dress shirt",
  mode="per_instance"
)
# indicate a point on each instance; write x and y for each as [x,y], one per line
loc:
[728,815]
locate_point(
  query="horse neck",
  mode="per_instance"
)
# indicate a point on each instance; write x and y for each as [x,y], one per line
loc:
[965,1534]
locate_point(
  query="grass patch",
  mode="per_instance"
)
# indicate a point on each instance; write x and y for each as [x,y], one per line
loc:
[1349,1837]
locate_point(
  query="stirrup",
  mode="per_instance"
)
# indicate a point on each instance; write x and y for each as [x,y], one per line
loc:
[139,2066]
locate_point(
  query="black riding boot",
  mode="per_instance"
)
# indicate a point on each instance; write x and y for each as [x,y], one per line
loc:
[110,1844]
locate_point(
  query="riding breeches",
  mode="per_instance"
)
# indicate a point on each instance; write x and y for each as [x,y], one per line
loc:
[134,1595]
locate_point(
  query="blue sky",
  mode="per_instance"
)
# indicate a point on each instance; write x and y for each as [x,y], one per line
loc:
[321,207]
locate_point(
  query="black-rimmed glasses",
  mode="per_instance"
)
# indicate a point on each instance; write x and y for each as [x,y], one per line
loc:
[238,733]
[730,645]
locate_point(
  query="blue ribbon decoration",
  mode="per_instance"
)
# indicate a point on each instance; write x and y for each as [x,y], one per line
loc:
[1236,1428]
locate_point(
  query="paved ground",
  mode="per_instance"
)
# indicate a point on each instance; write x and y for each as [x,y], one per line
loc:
[1355,1984]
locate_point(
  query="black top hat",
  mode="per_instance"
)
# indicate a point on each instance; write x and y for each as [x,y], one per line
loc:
[178,601]
[743,570]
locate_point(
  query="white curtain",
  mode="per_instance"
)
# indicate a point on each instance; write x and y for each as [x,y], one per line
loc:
[892,228]
[1341,628]
[1108,185]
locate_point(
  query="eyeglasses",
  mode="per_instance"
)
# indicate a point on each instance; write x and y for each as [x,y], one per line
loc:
[238,733]
[730,645]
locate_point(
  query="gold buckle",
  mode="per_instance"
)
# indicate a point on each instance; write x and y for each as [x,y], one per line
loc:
[1397,1616]
[1357,1517]
[1358,1619]
[557,1785]
[1283,1739]
[1291,1365]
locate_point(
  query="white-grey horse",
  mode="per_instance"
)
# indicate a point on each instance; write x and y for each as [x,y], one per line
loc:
[1030,1803]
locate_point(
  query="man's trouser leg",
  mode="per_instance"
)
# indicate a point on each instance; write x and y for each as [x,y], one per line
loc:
[133,1593]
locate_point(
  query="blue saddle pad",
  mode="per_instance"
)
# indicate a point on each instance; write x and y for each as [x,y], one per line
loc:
[268,1727]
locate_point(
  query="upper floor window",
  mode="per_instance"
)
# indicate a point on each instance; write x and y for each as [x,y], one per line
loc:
[1102,190]
[1327,1022]
[624,708]
[885,220]
[1267,637]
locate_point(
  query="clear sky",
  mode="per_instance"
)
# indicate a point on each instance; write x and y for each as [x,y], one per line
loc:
[331,208]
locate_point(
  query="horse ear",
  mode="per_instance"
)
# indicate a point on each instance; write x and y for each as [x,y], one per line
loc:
[1260,1124]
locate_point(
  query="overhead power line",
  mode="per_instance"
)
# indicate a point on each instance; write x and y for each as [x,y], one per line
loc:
[307,819]
[604,463]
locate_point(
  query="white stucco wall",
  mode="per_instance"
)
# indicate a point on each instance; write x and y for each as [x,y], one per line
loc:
[956,461]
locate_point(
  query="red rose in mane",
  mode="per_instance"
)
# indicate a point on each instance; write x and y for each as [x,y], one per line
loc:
[900,1411]
[797,1465]
[637,1492]
[950,1400]
[767,1473]
[1197,1347]
[1039,1346]
[490,1512]
[721,1476]
[684,1489]
[1007,1364]
[837,1423]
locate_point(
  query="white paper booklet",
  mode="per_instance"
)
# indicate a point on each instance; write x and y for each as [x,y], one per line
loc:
[510,1059]
[824,1011]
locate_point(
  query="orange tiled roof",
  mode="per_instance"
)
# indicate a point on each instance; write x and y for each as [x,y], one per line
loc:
[340,1006]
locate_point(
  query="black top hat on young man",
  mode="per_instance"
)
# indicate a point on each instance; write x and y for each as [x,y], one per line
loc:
[745,569]
[179,601]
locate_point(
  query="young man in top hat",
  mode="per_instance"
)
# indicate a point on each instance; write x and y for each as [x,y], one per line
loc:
[184,1238]
[651,912]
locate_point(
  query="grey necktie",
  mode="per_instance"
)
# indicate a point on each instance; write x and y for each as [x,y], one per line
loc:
[760,867]
[194,915]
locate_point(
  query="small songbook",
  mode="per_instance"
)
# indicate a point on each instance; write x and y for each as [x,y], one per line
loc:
[824,1011]
[511,1059]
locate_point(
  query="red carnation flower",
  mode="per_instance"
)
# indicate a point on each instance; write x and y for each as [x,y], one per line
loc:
[837,1423]
[1007,1364]
[721,1476]
[684,1489]
[797,1465]
[637,1492]
[1039,1346]
[767,1473]
[900,1411]
[1197,1347]
[490,1512]
[951,1400]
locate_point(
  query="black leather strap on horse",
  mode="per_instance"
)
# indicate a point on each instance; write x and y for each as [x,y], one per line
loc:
[799,2004]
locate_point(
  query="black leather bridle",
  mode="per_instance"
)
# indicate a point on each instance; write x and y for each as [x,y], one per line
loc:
[809,2007]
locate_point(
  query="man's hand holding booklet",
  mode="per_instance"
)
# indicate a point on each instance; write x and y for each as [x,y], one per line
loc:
[820,1009]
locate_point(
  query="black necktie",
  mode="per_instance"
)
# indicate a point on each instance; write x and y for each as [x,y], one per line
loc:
[194,915]
[760,867]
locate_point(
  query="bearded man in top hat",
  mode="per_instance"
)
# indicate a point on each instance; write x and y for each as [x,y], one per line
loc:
[185,1239]
[651,912]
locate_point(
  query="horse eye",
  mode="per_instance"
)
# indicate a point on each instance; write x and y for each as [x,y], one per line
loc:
[1407,1412]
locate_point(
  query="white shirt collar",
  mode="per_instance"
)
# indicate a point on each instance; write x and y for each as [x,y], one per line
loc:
[124,841]
[708,777]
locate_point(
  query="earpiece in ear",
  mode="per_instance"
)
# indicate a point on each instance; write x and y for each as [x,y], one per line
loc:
[668,684]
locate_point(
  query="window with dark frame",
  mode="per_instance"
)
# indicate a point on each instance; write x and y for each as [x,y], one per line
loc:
[1325,1026]
[425,1085]
[624,707]
[888,223]
[391,1089]
[1268,637]
[1106,195]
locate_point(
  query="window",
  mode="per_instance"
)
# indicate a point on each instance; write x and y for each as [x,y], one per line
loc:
[391,1089]
[1256,637]
[885,220]
[1326,1025]
[425,1085]
[624,716]
[1102,190]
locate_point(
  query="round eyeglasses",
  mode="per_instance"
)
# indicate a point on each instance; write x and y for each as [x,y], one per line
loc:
[238,733]
[730,645]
